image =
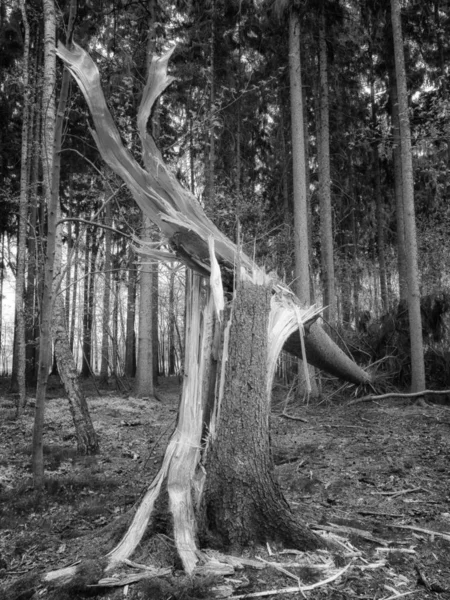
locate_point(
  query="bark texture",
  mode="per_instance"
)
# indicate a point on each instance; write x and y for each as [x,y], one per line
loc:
[243,502]
[415,318]
[48,101]
[87,440]
[144,384]
[302,284]
[326,216]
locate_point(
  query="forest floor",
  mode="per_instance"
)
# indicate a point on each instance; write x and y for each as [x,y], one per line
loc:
[374,476]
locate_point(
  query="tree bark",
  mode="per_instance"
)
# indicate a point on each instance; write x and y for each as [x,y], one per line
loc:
[155,316]
[299,170]
[87,440]
[144,384]
[171,325]
[130,344]
[326,217]
[73,313]
[48,102]
[88,301]
[398,191]
[104,366]
[379,206]
[210,162]
[23,218]
[415,319]
[302,283]
[243,502]
[31,300]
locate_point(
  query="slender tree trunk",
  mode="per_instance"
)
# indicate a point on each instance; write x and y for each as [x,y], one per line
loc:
[64,362]
[398,190]
[31,303]
[70,249]
[299,169]
[326,218]
[155,325]
[144,384]
[379,207]
[284,174]
[87,440]
[2,278]
[106,300]
[302,282]
[130,345]
[87,318]
[91,304]
[171,324]
[23,218]
[115,328]
[48,103]
[73,313]
[211,158]
[415,319]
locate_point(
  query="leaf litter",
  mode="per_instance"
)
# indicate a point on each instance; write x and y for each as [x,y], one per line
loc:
[373,478]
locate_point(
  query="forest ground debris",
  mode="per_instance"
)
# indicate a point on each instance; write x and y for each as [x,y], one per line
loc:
[328,474]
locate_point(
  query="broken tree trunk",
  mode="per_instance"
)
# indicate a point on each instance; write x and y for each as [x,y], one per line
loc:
[223,421]
[174,209]
[243,502]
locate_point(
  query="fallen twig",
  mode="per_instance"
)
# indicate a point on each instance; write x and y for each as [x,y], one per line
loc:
[400,595]
[131,578]
[286,416]
[399,492]
[379,513]
[398,395]
[401,550]
[445,536]
[352,530]
[295,589]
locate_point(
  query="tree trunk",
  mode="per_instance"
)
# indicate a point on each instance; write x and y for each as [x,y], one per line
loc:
[47,297]
[398,191]
[144,384]
[299,169]
[415,319]
[115,330]
[104,367]
[87,441]
[171,325]
[326,217]
[302,282]
[155,326]
[31,299]
[23,218]
[247,385]
[2,278]
[88,301]
[130,344]
[243,502]
[73,313]
[86,344]
[379,207]
[211,157]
